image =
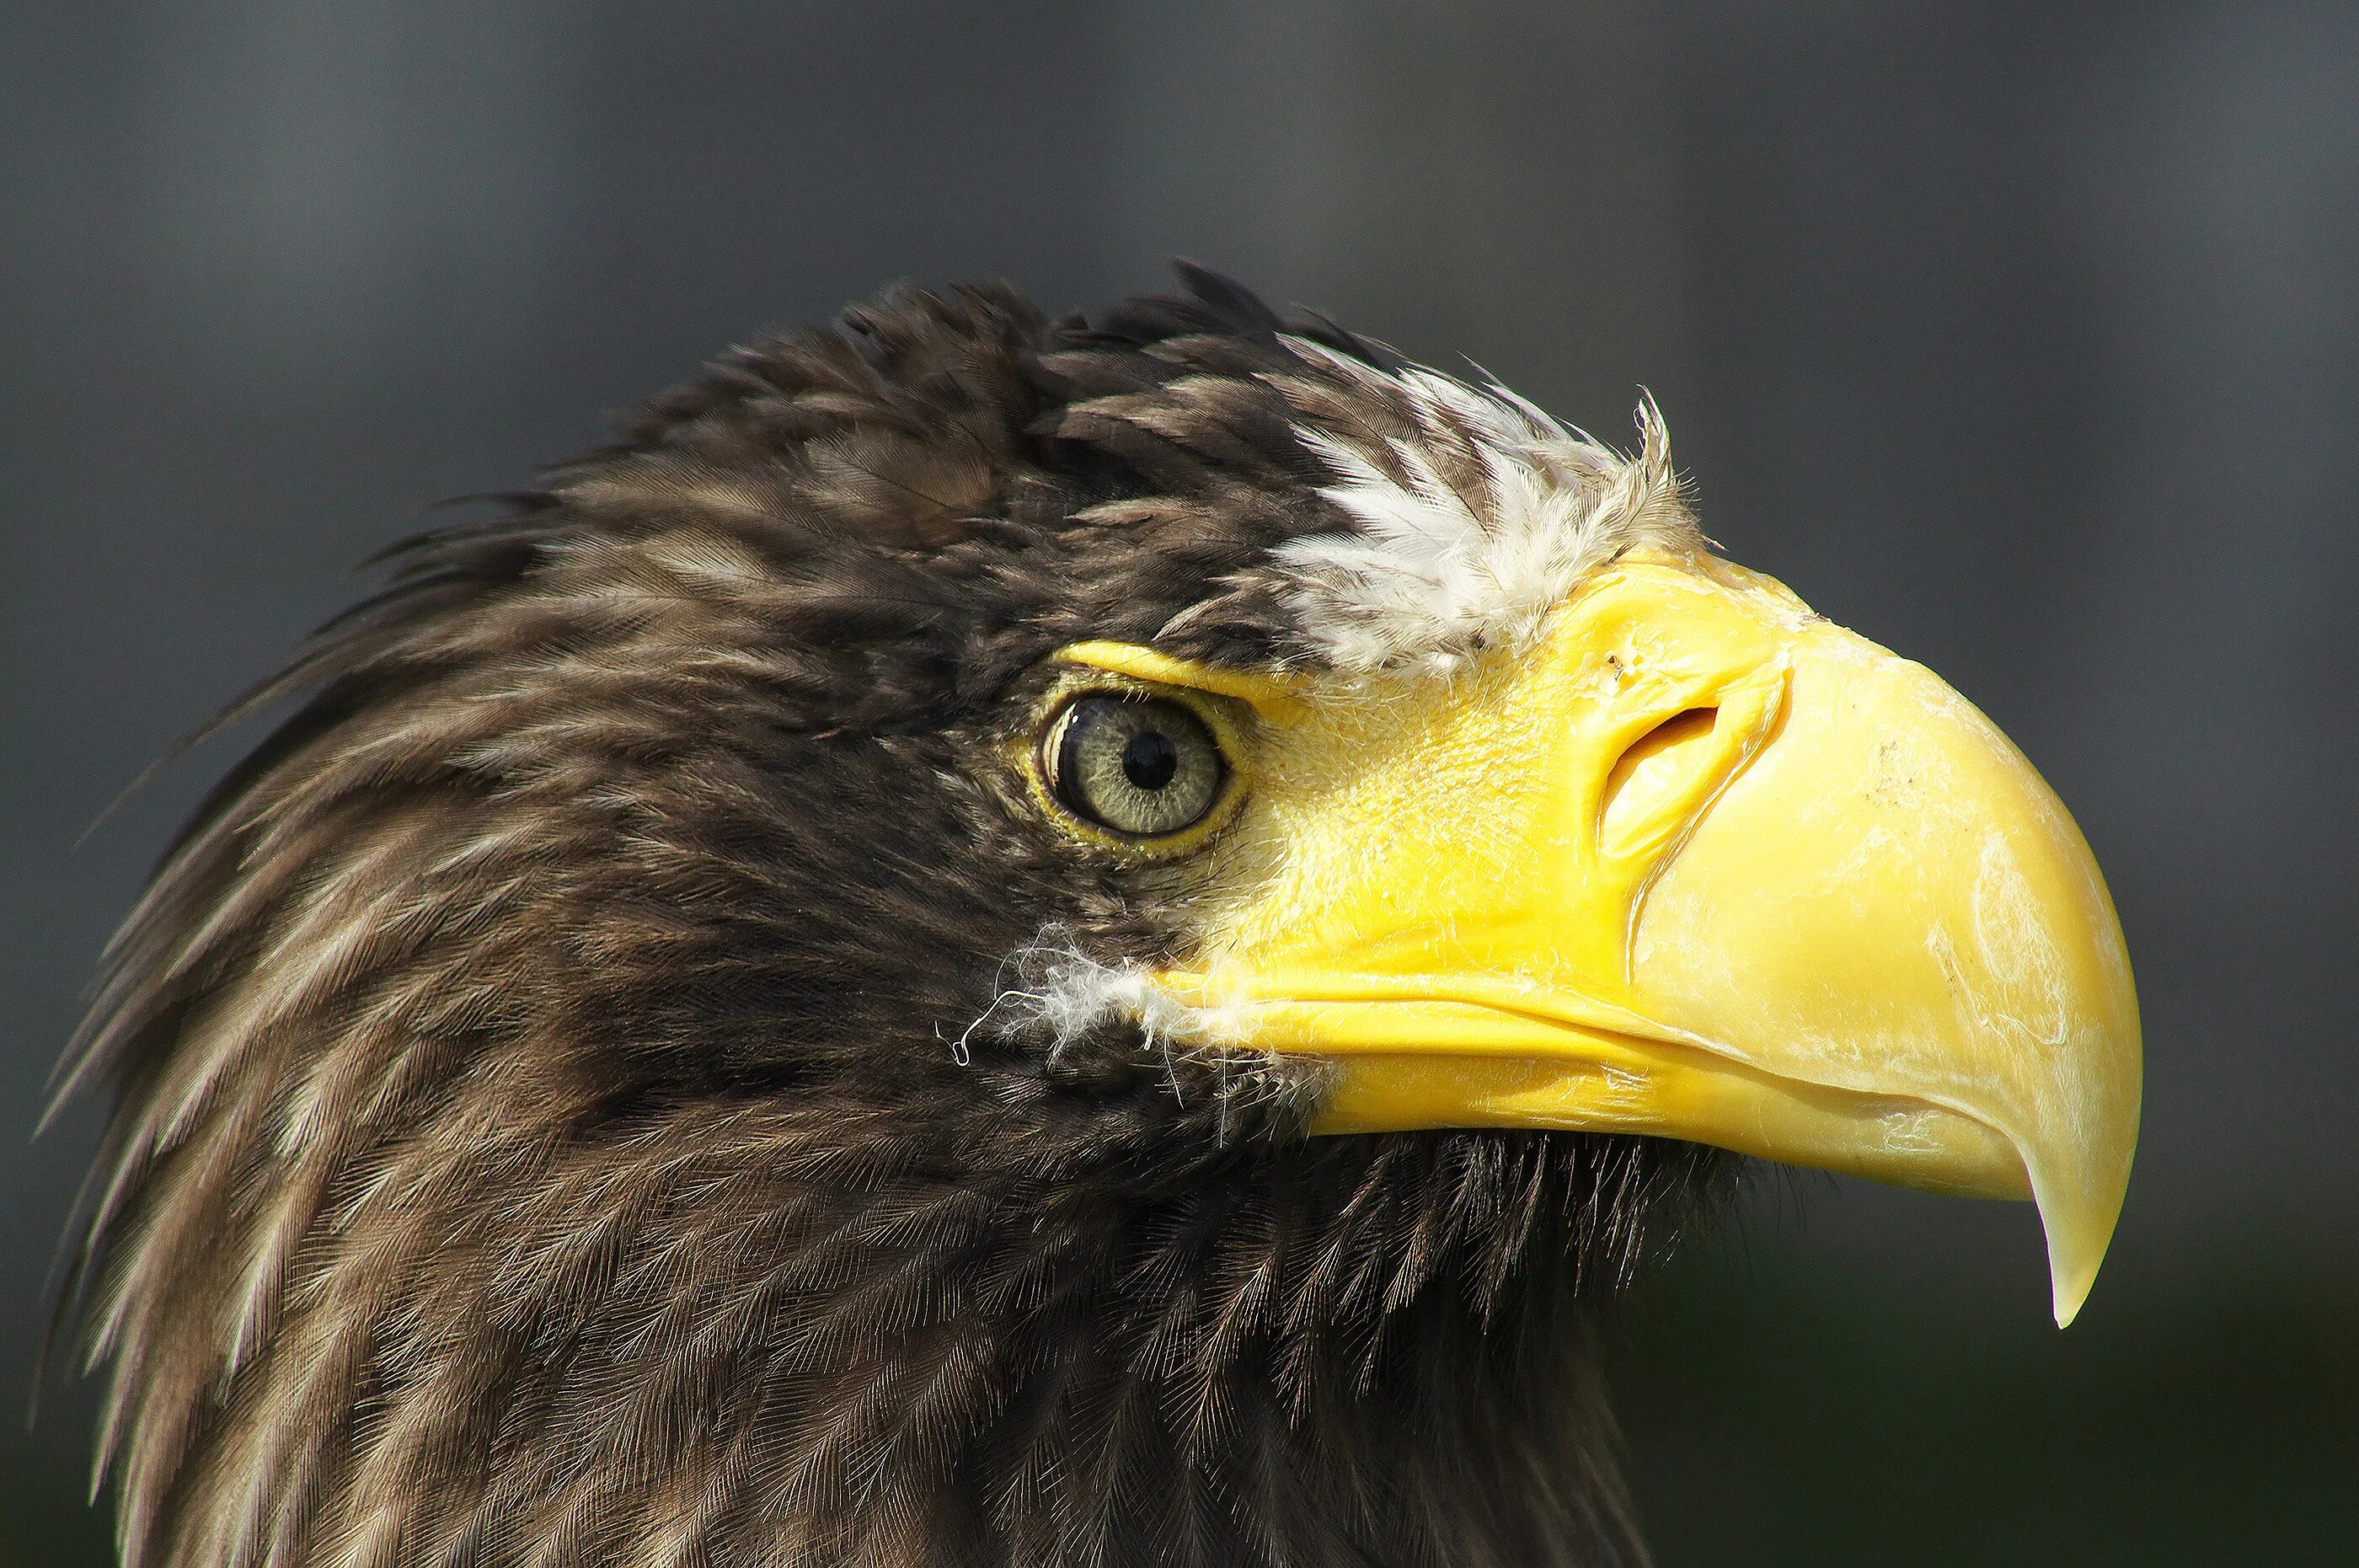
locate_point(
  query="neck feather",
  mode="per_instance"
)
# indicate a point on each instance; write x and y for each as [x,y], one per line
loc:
[709,1329]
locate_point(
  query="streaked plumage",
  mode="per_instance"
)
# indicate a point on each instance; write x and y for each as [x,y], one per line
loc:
[568,1105]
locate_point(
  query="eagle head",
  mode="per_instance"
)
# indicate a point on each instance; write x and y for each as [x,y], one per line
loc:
[994,942]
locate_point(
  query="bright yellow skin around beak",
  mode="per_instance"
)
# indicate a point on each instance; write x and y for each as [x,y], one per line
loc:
[1698,865]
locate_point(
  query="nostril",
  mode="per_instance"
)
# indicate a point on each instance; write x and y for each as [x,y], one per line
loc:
[1657,766]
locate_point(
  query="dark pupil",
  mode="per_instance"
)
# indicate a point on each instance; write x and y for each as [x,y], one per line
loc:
[1150,759]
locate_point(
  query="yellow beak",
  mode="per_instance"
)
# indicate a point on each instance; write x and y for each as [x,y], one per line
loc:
[1702,865]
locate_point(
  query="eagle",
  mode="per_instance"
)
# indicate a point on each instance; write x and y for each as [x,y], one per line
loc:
[997,940]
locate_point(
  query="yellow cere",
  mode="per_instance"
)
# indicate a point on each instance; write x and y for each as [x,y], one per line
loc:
[1697,862]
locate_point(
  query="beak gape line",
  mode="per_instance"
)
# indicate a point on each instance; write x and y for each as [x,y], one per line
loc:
[1696,863]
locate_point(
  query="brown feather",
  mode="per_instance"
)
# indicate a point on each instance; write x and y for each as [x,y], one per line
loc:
[535,1138]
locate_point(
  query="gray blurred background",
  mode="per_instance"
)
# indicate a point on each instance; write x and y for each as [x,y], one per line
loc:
[2021,336]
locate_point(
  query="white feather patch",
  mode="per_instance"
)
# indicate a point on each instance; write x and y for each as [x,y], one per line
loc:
[1436,570]
[1061,993]
[1057,991]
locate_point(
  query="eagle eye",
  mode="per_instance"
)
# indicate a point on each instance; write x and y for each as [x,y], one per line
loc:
[1140,767]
